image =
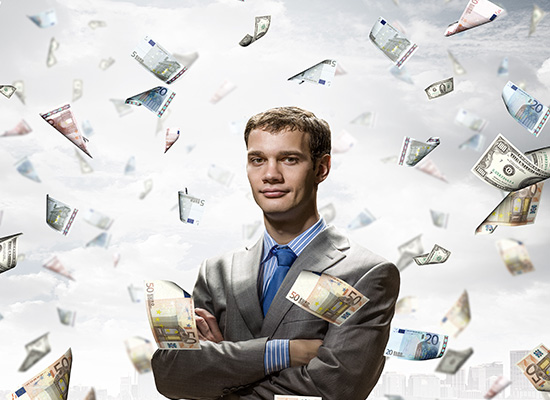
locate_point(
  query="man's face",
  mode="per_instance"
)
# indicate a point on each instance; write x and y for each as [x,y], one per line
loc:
[281,173]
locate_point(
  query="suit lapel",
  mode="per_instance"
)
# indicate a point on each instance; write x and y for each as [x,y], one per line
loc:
[244,277]
[323,251]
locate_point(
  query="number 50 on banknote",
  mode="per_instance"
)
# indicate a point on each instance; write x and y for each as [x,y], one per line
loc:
[326,296]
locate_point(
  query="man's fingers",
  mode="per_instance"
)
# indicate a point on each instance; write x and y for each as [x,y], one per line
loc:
[203,328]
[209,325]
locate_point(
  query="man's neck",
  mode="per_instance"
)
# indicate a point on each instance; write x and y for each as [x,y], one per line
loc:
[283,231]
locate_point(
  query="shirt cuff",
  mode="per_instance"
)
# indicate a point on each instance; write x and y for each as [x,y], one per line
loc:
[277,356]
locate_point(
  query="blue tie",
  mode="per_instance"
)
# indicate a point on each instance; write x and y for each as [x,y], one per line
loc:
[285,258]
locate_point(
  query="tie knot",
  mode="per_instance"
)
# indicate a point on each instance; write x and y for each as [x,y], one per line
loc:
[285,255]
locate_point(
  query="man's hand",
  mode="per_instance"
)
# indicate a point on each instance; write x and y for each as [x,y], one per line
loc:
[207,326]
[303,351]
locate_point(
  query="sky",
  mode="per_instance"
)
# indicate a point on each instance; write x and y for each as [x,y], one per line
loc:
[147,233]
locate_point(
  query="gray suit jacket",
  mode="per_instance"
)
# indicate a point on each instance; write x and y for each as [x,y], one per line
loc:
[349,362]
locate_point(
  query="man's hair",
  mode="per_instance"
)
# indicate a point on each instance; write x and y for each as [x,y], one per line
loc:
[293,118]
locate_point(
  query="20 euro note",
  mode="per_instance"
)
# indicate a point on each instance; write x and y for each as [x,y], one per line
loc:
[525,109]
[536,367]
[157,99]
[50,384]
[171,314]
[326,297]
[158,61]
[415,345]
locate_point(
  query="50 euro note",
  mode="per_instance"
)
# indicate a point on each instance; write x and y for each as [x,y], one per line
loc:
[171,314]
[525,109]
[415,345]
[326,297]
[536,367]
[477,12]
[50,384]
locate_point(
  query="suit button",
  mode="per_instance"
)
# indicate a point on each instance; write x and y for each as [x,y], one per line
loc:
[226,391]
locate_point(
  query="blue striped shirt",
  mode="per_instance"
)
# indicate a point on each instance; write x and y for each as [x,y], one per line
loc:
[277,355]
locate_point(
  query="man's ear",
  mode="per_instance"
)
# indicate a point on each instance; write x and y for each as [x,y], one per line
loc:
[322,168]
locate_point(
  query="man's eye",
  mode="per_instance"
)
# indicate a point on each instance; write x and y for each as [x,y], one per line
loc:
[291,160]
[255,160]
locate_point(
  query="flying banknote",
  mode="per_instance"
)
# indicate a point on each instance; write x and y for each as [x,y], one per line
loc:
[153,57]
[392,42]
[321,73]
[415,345]
[63,120]
[261,25]
[157,99]
[477,12]
[525,109]
[8,251]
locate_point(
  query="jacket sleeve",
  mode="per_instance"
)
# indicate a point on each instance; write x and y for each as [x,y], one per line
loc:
[217,369]
[351,359]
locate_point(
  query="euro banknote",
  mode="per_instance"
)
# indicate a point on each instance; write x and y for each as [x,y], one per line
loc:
[85,168]
[50,384]
[536,367]
[97,24]
[498,386]
[140,351]
[36,350]
[59,216]
[457,67]
[191,208]
[440,219]
[326,297]
[20,90]
[406,305]
[470,120]
[172,135]
[261,25]
[321,73]
[458,317]
[220,174]
[22,128]
[477,12]
[55,265]
[8,252]
[364,218]
[368,118]
[524,108]
[515,256]
[121,107]
[415,345]
[101,240]
[440,88]
[106,63]
[130,166]
[453,360]
[503,67]
[328,212]
[413,151]
[437,255]
[171,314]
[475,142]
[153,57]
[136,293]
[408,250]
[391,42]
[51,60]
[156,100]
[77,89]
[44,19]
[225,88]
[66,317]
[429,167]
[343,142]
[98,219]
[537,15]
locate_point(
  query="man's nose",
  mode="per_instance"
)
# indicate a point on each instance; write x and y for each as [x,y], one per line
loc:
[272,172]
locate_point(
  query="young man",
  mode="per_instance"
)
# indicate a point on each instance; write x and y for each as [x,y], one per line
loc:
[255,342]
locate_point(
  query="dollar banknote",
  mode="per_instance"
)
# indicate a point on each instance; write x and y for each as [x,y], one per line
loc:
[286,397]
[77,89]
[85,168]
[415,345]
[261,25]
[25,168]
[412,150]
[101,240]
[498,386]
[525,109]
[63,120]
[221,175]
[406,305]
[59,216]
[477,12]
[326,297]
[368,118]
[457,67]
[7,90]
[440,88]
[364,218]
[44,19]
[328,212]
[36,350]
[458,317]
[537,15]
[191,208]
[518,208]
[320,74]
[106,63]
[140,351]
[475,143]
[97,24]
[429,167]
[453,361]
[121,107]
[8,251]
[153,57]
[54,265]
[147,187]
[391,42]
[408,250]
[171,314]
[503,166]
[515,256]
[438,255]
[536,367]
[50,384]
[98,219]
[225,88]
[157,99]
[402,74]
[130,167]
[20,90]
[172,135]
[503,67]
[22,128]
[90,395]
[66,317]
[51,60]
[440,219]
[470,120]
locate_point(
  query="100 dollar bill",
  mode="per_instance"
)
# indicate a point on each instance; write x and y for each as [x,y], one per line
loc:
[326,296]
[415,345]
